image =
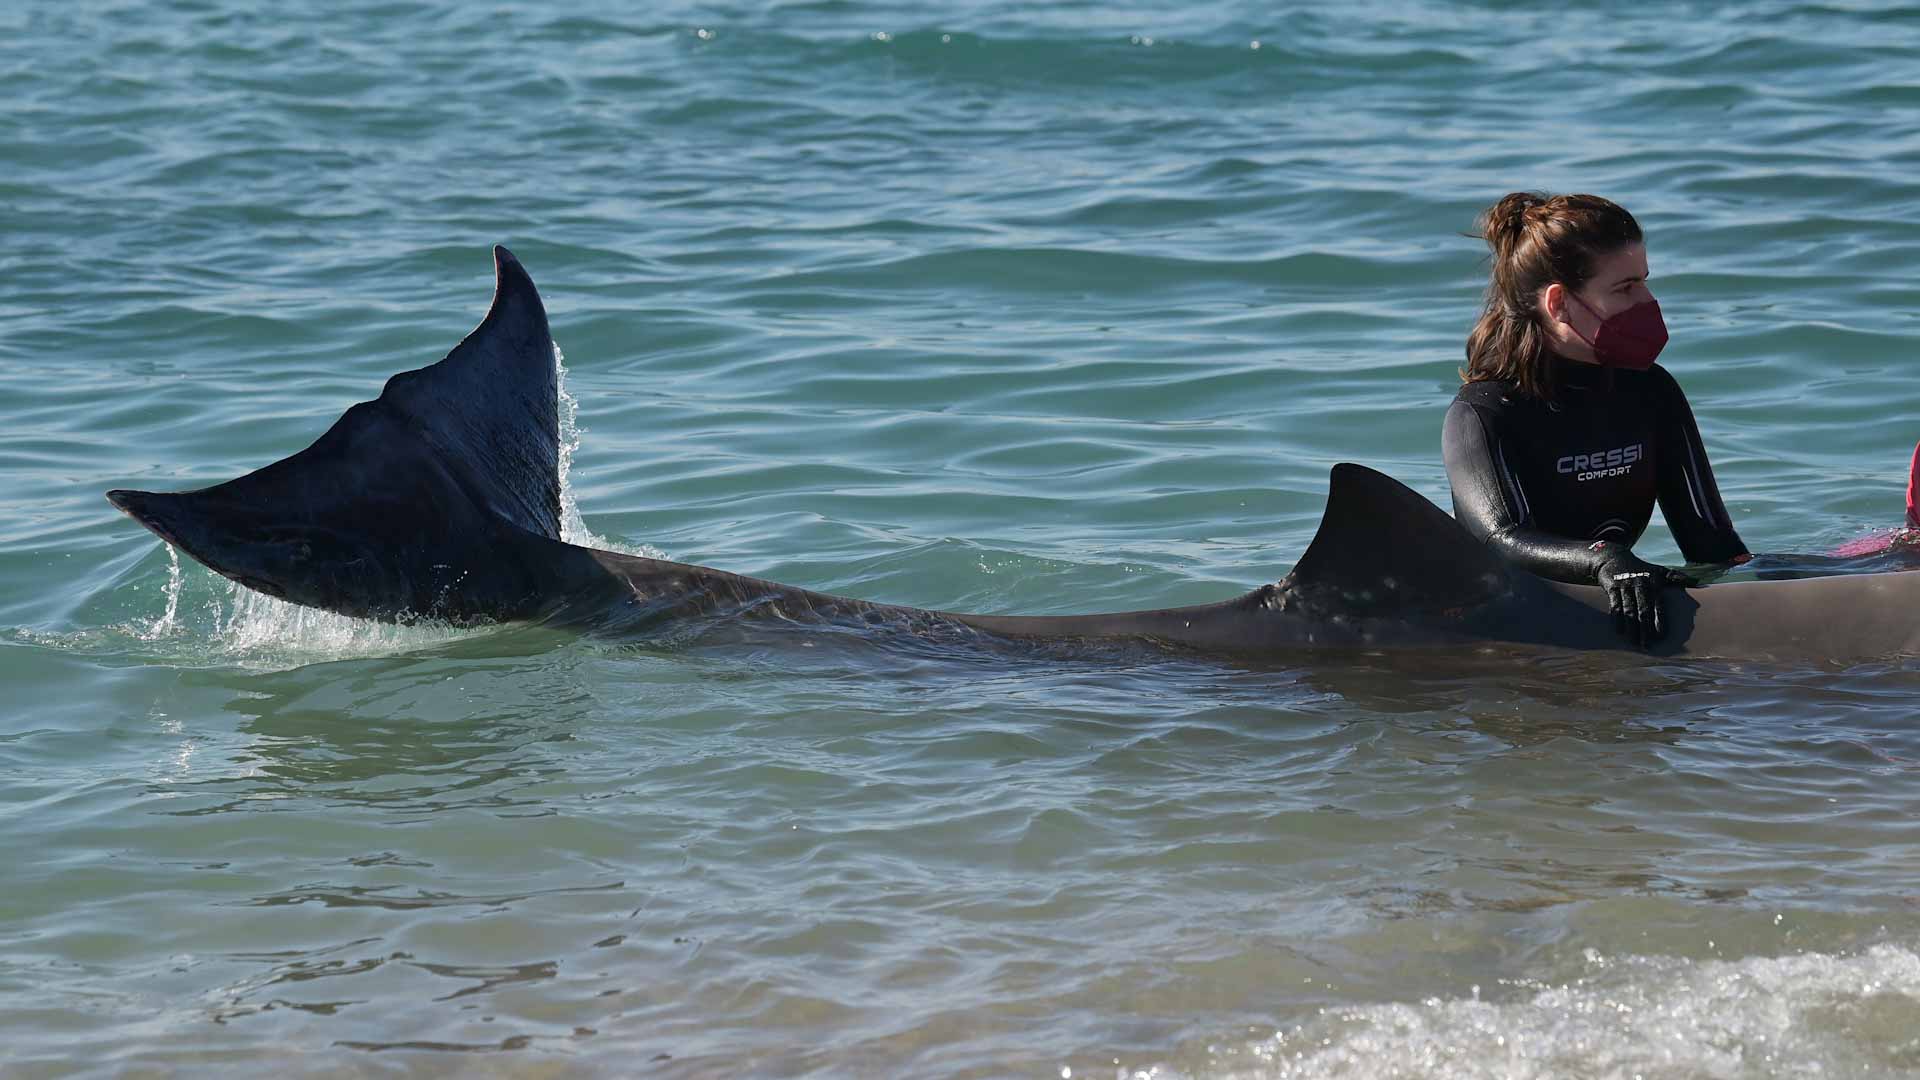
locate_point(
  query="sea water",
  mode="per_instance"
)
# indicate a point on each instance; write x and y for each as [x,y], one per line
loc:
[1009,307]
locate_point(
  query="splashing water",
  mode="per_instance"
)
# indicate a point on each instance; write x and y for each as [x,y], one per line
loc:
[259,630]
[573,528]
[209,619]
[1629,1015]
[168,622]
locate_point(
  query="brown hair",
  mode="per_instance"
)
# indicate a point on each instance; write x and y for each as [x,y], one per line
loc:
[1536,240]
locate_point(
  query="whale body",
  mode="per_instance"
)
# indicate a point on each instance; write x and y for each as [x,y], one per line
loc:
[440,499]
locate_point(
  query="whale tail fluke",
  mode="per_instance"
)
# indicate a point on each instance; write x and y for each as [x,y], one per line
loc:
[412,504]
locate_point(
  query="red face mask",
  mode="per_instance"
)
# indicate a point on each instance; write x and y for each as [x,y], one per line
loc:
[1630,339]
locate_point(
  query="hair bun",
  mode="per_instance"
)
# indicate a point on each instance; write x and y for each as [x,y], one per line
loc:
[1505,222]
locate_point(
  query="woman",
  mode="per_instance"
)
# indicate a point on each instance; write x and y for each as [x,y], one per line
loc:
[1566,432]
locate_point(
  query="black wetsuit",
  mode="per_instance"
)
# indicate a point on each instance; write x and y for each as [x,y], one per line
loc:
[1543,482]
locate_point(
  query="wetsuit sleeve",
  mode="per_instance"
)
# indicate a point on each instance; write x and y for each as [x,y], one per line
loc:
[1689,499]
[1490,502]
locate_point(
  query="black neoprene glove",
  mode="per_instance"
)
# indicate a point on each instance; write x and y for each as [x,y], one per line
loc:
[1633,592]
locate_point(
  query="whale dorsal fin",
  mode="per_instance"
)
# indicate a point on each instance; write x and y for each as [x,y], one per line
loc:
[1383,549]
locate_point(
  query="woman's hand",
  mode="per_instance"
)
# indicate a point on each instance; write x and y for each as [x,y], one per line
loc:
[1633,588]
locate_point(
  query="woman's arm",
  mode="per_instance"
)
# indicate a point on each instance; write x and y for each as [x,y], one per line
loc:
[1489,501]
[1689,499]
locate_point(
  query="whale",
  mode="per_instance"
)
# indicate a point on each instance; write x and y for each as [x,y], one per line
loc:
[440,500]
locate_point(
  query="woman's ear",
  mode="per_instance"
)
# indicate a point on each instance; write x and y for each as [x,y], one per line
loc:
[1553,302]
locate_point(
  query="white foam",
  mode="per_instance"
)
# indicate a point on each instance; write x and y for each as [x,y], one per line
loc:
[1806,1014]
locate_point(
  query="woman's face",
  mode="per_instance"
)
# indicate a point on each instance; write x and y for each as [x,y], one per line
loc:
[1573,319]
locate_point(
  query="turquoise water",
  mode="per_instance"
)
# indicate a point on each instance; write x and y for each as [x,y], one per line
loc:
[1013,308]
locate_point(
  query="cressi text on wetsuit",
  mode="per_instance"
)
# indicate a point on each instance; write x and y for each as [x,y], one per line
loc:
[1543,482]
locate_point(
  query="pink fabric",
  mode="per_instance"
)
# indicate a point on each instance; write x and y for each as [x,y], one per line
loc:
[1876,542]
[1870,544]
